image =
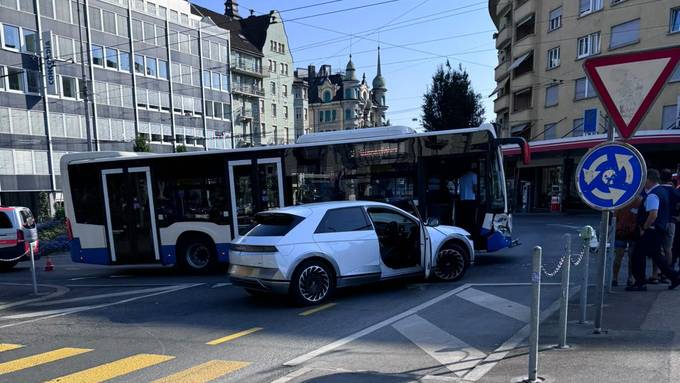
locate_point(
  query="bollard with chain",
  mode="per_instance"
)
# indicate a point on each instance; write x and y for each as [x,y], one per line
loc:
[587,235]
[564,303]
[535,314]
[35,280]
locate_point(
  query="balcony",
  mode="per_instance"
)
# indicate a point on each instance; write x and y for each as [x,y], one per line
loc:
[243,68]
[248,90]
[501,103]
[501,6]
[501,71]
[503,36]
[524,11]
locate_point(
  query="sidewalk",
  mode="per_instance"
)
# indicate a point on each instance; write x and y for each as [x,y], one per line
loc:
[642,343]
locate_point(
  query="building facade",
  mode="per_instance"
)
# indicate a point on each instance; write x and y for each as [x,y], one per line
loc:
[78,76]
[339,101]
[543,93]
[301,103]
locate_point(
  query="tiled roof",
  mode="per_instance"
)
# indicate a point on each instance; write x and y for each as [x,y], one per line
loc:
[238,39]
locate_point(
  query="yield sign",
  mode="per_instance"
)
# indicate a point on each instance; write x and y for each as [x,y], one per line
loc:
[628,83]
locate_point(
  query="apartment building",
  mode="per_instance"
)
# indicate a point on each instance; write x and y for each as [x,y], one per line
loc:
[543,93]
[301,102]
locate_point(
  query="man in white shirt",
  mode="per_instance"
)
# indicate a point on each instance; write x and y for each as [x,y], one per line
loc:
[468,185]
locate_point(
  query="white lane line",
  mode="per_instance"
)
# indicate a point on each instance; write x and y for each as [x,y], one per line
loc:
[81,278]
[453,353]
[341,342]
[497,304]
[85,308]
[218,285]
[109,295]
[499,354]
[61,290]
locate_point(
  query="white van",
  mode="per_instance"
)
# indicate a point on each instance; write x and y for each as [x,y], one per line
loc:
[17,231]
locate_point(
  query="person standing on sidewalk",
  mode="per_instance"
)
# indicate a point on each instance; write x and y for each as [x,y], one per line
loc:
[626,225]
[674,206]
[653,220]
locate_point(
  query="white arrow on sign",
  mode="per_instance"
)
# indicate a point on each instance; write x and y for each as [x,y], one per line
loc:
[590,174]
[623,162]
[614,194]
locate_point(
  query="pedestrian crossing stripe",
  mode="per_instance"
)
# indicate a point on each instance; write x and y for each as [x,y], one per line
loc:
[203,373]
[9,346]
[38,359]
[114,369]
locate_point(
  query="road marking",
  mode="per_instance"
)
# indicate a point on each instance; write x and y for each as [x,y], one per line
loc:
[112,370]
[120,276]
[109,295]
[453,353]
[81,278]
[9,346]
[218,285]
[499,354]
[203,373]
[38,359]
[58,313]
[341,342]
[233,336]
[317,309]
[61,290]
[497,304]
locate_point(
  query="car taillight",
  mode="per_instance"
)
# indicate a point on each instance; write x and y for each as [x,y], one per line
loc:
[20,236]
[69,230]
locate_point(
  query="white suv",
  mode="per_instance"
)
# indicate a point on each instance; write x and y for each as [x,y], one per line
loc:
[309,250]
[17,232]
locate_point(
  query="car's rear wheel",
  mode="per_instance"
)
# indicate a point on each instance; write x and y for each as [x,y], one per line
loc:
[452,262]
[196,254]
[7,266]
[313,283]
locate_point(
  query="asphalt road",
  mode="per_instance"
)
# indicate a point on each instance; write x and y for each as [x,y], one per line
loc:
[151,324]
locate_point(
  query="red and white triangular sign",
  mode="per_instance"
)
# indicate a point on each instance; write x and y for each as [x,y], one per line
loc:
[629,83]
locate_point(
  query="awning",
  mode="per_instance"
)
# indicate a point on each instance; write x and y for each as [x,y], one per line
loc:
[500,86]
[518,61]
[519,128]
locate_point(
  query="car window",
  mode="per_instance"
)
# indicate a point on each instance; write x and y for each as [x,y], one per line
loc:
[273,224]
[343,220]
[381,215]
[27,219]
[5,222]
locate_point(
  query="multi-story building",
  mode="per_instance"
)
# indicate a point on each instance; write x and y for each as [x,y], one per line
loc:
[543,93]
[301,103]
[112,71]
[339,101]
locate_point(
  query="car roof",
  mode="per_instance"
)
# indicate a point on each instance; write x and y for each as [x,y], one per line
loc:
[307,209]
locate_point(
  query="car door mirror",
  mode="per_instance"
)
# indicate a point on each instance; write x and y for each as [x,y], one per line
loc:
[432,222]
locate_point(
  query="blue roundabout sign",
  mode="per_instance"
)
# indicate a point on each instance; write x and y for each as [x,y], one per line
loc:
[610,176]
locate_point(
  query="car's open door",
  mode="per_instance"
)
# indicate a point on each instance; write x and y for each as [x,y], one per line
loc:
[425,243]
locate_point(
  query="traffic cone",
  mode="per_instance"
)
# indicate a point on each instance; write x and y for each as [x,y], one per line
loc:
[49,266]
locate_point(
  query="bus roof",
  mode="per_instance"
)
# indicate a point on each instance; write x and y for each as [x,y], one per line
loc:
[348,136]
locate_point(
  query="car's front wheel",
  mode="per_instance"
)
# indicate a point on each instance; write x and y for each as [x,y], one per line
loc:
[313,283]
[452,262]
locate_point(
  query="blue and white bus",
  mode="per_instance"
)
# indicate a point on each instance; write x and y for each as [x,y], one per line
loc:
[183,209]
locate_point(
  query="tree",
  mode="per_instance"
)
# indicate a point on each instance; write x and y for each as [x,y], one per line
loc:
[181,148]
[450,102]
[141,144]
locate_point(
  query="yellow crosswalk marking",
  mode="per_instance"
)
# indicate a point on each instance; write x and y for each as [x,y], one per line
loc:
[203,373]
[233,336]
[9,346]
[113,370]
[38,359]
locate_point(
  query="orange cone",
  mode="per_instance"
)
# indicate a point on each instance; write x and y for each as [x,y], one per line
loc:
[49,266]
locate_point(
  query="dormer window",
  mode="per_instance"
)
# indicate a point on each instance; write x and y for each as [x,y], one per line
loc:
[327,96]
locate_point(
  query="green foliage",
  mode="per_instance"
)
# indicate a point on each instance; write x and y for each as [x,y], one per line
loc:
[141,144]
[451,102]
[43,207]
[181,148]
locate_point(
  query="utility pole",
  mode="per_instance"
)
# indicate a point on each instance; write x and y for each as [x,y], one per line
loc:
[83,78]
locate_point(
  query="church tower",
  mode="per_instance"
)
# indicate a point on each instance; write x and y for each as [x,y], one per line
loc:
[379,90]
[350,102]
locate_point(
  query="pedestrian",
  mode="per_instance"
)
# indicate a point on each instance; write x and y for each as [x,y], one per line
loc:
[653,217]
[626,225]
[676,244]
[674,206]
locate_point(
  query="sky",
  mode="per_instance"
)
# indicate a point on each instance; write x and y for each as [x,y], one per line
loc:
[415,37]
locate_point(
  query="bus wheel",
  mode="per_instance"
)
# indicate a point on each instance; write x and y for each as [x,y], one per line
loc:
[452,262]
[7,266]
[196,254]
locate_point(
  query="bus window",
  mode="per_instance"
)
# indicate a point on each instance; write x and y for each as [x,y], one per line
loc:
[496,194]
[85,194]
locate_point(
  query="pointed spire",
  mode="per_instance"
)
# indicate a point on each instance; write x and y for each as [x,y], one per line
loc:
[379,71]
[350,70]
[379,81]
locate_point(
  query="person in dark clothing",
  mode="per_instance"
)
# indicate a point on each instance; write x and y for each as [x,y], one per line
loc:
[653,219]
[674,206]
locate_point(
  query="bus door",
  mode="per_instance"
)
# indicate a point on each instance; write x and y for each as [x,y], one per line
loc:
[130,215]
[255,185]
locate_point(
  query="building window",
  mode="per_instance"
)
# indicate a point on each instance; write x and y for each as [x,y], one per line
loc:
[550,131]
[285,112]
[225,82]
[273,88]
[305,114]
[109,19]
[675,20]
[583,89]
[151,68]
[69,87]
[273,110]
[139,64]
[124,61]
[65,45]
[33,81]
[327,96]
[95,18]
[11,37]
[218,109]
[523,64]
[625,34]
[553,58]
[137,34]
[588,45]
[162,69]
[348,114]
[555,21]
[552,95]
[577,127]
[122,22]
[525,27]
[149,33]
[284,90]
[97,55]
[111,58]
[589,6]
[327,115]
[30,41]
[215,80]
[675,76]
[521,100]
[209,108]
[669,117]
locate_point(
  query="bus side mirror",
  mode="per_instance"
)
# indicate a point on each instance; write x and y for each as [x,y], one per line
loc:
[524,148]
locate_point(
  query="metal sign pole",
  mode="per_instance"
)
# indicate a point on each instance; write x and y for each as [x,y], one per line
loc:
[35,280]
